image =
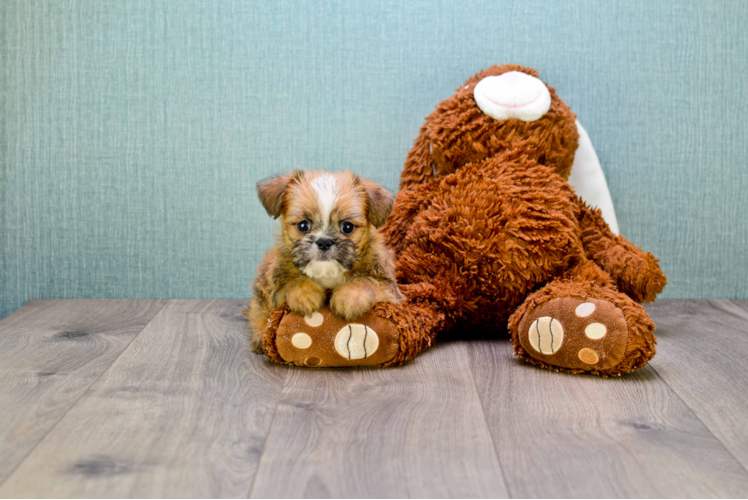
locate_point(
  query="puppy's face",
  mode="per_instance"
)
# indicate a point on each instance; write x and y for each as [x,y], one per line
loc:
[326,218]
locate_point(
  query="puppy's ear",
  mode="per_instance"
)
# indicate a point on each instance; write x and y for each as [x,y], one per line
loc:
[271,191]
[380,202]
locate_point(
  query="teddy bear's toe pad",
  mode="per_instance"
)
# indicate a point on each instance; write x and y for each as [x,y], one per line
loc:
[323,339]
[571,332]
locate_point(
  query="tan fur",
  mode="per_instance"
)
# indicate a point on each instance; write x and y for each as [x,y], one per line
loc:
[305,296]
[369,280]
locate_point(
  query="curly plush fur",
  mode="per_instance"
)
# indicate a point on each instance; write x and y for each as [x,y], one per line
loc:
[486,229]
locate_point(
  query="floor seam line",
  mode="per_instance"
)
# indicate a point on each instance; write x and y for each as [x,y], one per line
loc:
[488,427]
[13,471]
[267,436]
[729,452]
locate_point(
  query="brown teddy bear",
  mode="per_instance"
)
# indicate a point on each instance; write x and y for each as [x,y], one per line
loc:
[489,236]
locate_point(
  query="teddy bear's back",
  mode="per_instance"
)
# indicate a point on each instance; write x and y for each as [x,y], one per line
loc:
[490,233]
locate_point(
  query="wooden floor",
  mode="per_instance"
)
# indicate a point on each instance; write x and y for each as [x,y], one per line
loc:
[157,398]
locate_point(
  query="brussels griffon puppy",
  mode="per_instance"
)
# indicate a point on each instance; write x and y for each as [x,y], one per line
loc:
[329,246]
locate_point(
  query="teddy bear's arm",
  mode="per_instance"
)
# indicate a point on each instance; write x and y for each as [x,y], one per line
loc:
[636,272]
[408,204]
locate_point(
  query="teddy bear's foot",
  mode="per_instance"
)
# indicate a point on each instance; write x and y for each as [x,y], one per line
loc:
[323,339]
[575,333]
[583,327]
[388,335]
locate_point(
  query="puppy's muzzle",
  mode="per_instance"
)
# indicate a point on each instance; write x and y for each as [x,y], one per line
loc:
[324,244]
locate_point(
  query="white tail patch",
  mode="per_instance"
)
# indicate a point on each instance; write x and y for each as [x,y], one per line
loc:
[588,180]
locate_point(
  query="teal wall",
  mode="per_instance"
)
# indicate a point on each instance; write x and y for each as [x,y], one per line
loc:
[133,132]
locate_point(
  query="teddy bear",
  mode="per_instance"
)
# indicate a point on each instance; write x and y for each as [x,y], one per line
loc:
[489,238]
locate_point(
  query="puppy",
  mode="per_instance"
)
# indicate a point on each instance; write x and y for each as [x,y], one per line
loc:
[329,244]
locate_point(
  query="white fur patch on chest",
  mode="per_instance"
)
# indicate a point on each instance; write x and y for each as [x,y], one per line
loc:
[329,274]
[327,190]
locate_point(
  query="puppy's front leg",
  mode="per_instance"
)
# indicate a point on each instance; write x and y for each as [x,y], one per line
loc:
[305,297]
[353,299]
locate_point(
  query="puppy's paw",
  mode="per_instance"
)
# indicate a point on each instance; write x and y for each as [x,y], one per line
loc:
[256,343]
[305,298]
[352,300]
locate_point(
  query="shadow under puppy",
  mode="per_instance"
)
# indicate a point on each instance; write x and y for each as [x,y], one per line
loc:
[329,245]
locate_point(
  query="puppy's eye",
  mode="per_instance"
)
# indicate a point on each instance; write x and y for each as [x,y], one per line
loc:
[347,227]
[304,226]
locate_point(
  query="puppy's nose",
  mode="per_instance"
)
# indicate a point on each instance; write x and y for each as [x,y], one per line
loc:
[324,244]
[513,95]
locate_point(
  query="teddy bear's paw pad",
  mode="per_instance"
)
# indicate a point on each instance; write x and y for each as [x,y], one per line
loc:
[355,341]
[323,339]
[572,332]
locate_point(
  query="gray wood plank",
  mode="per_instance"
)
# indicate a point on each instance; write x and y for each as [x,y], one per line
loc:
[561,435]
[413,431]
[701,354]
[182,413]
[51,351]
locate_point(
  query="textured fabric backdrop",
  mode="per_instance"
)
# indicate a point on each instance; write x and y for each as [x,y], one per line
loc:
[133,132]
